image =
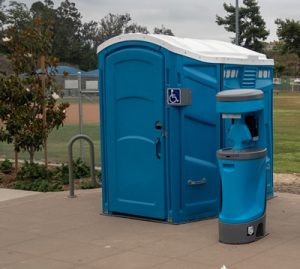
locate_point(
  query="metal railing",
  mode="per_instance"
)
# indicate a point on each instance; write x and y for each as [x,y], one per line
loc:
[92,162]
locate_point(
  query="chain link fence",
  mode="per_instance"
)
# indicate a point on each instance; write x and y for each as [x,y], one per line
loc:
[288,85]
[83,117]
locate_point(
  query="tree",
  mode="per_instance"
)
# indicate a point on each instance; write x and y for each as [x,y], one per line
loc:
[18,15]
[278,69]
[87,59]
[89,33]
[2,15]
[74,42]
[252,26]
[163,31]
[28,114]
[2,22]
[112,25]
[135,28]
[67,33]
[286,64]
[288,31]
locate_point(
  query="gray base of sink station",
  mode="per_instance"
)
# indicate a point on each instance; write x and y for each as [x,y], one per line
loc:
[242,233]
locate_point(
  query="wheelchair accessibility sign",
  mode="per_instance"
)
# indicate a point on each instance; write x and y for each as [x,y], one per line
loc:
[179,96]
[174,96]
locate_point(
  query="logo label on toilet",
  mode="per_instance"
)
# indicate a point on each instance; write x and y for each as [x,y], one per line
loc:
[250,230]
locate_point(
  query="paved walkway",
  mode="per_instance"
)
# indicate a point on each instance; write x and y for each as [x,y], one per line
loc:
[52,231]
[9,194]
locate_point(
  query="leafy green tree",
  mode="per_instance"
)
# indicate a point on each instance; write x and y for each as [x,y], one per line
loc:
[74,42]
[288,31]
[18,15]
[286,64]
[278,69]
[252,26]
[2,22]
[22,114]
[135,28]
[43,9]
[89,33]
[27,114]
[163,31]
[67,33]
[87,59]
[112,25]
[2,15]
[15,14]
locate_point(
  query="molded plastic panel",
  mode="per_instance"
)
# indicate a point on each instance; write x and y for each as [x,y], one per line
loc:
[243,190]
[200,138]
[134,88]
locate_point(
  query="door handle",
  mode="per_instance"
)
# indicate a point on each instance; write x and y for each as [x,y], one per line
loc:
[157,148]
[158,125]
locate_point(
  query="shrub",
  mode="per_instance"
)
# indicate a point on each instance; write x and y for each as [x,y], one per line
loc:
[62,174]
[37,177]
[87,184]
[38,185]
[81,169]
[6,166]
[33,171]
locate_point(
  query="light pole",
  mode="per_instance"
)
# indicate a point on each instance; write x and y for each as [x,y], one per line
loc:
[237,30]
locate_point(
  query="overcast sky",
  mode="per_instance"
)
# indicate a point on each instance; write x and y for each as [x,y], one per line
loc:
[186,18]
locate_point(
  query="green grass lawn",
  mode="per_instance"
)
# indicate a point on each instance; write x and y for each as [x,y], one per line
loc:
[286,137]
[58,143]
[287,132]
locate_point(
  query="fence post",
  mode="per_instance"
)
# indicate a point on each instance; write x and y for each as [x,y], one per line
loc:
[80,115]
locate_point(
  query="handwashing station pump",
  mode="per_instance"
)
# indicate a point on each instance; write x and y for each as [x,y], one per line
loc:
[242,167]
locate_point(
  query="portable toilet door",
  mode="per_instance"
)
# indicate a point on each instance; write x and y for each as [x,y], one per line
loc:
[134,116]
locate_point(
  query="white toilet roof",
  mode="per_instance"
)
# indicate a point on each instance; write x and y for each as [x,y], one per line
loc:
[211,51]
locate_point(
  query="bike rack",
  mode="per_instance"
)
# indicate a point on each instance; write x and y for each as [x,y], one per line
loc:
[70,156]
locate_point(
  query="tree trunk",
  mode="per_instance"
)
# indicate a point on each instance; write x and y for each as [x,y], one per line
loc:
[16,161]
[31,156]
[43,78]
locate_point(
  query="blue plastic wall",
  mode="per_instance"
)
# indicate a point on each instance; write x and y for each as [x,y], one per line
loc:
[194,137]
[243,191]
[146,172]
[254,77]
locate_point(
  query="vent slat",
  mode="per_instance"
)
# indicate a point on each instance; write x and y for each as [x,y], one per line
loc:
[249,78]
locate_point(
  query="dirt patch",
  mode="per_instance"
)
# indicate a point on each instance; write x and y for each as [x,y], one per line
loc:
[6,180]
[90,114]
[287,183]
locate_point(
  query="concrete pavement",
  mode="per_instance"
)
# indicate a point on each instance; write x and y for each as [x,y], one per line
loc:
[9,194]
[49,230]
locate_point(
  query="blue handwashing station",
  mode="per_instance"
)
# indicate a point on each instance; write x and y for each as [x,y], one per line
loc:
[243,167]
[186,131]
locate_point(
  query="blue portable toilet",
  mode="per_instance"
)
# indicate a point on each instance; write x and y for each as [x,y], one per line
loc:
[159,125]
